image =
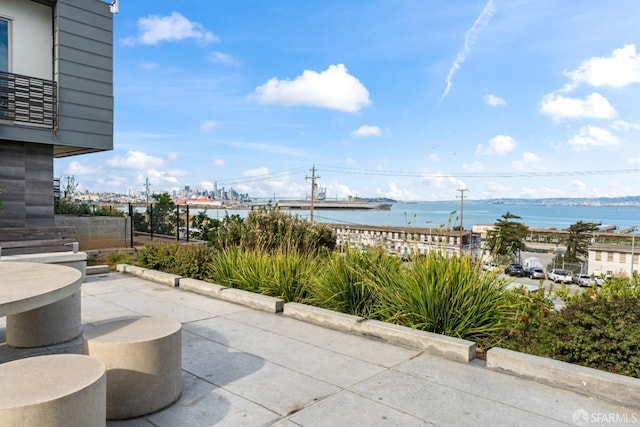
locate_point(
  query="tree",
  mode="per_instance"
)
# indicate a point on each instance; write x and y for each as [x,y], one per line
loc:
[163,215]
[507,236]
[578,240]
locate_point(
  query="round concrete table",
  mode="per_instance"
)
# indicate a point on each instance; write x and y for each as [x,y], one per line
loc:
[53,391]
[41,302]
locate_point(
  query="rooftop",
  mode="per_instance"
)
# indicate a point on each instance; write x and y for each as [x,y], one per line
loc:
[244,367]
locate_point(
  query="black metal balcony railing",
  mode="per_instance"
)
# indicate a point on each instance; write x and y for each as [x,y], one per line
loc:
[27,99]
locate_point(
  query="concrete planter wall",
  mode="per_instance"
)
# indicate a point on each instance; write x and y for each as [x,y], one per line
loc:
[99,232]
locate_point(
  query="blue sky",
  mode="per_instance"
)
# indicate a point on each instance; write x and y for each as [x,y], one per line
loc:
[408,99]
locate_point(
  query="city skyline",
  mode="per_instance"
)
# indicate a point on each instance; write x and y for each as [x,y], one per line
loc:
[408,100]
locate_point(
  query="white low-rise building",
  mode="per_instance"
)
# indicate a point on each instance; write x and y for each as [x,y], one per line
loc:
[613,260]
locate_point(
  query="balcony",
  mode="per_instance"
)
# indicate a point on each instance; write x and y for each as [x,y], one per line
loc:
[27,100]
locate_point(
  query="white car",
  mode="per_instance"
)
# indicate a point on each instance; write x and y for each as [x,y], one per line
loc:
[582,280]
[558,275]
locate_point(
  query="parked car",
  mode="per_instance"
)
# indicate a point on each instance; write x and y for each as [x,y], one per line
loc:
[535,273]
[558,275]
[581,279]
[514,270]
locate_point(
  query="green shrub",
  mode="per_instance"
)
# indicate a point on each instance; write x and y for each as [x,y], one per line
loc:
[347,283]
[279,275]
[185,260]
[530,311]
[158,256]
[602,333]
[119,258]
[271,230]
[447,295]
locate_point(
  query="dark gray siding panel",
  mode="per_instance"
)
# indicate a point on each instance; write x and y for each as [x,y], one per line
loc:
[90,87]
[39,181]
[88,113]
[86,11]
[26,177]
[88,46]
[89,73]
[84,45]
[83,98]
[82,29]
[84,126]
[76,56]
[27,134]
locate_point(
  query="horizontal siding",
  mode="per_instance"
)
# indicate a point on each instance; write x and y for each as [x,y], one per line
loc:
[84,71]
[86,11]
[83,98]
[90,73]
[84,30]
[79,142]
[76,56]
[84,126]
[87,113]
[27,134]
[90,47]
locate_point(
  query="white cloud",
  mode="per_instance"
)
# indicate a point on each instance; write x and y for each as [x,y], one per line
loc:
[494,101]
[595,106]
[499,144]
[469,39]
[333,88]
[624,125]
[135,160]
[172,155]
[433,156]
[269,148]
[206,185]
[76,168]
[473,167]
[256,172]
[217,162]
[397,193]
[208,125]
[154,29]
[620,69]
[216,57]
[366,130]
[445,185]
[591,136]
[529,157]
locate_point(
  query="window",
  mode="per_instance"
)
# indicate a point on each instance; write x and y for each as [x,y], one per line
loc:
[4,68]
[598,256]
[4,45]
[609,256]
[623,258]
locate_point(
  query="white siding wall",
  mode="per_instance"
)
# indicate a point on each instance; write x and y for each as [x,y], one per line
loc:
[30,38]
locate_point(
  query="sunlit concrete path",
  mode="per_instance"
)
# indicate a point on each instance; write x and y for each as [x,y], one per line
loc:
[243,367]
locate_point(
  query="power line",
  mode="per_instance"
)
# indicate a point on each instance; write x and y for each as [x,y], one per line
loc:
[413,174]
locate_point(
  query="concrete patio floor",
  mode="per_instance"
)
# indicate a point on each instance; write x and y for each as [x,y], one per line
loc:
[243,367]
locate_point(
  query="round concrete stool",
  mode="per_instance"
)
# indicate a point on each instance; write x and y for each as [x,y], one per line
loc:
[53,391]
[143,356]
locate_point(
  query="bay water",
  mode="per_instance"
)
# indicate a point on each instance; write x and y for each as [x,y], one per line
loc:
[447,213]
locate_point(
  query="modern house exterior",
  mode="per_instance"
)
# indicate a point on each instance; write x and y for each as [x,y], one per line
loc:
[56,98]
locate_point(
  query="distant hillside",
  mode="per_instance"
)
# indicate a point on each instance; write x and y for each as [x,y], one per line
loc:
[631,201]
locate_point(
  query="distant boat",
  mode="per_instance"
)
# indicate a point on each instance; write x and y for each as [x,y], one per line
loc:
[321,202]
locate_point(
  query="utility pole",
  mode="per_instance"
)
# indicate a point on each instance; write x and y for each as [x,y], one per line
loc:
[146,190]
[633,247]
[461,190]
[313,178]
